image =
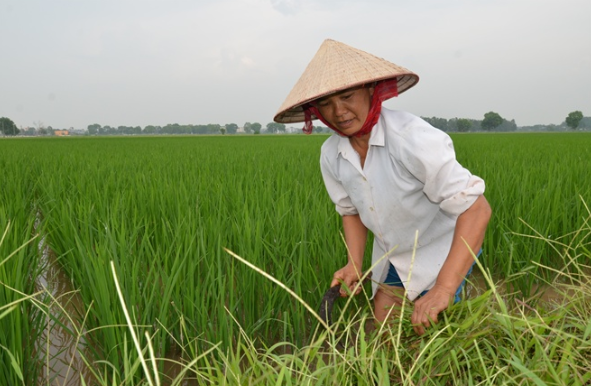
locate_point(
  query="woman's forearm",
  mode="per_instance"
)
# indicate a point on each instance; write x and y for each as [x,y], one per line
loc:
[356,238]
[470,228]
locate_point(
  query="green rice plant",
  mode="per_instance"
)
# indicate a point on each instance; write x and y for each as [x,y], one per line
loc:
[163,210]
[532,349]
[485,340]
[18,320]
[21,316]
[168,244]
[532,180]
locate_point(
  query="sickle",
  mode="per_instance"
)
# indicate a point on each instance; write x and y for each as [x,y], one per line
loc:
[325,310]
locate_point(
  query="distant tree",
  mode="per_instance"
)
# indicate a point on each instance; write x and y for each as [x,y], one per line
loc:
[28,131]
[231,128]
[256,127]
[507,126]
[274,127]
[199,129]
[213,128]
[223,130]
[173,128]
[440,123]
[248,127]
[150,129]
[107,130]
[491,121]
[573,119]
[7,126]
[93,129]
[463,124]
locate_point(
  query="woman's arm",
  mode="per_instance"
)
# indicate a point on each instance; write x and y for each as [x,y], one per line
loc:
[470,228]
[356,238]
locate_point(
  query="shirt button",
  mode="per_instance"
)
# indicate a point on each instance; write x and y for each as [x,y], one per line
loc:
[371,208]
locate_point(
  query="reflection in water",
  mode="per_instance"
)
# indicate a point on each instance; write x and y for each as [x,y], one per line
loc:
[61,342]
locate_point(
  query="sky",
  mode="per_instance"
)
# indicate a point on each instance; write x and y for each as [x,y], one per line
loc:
[69,64]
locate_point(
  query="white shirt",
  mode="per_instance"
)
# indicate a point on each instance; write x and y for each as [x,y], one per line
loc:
[411,182]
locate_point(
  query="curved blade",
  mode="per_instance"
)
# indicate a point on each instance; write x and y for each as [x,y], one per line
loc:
[325,310]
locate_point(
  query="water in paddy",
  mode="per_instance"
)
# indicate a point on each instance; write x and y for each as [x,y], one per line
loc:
[62,341]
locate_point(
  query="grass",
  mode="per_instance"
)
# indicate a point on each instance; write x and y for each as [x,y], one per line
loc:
[160,212]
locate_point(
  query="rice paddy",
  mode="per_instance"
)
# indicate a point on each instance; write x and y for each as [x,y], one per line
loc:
[151,234]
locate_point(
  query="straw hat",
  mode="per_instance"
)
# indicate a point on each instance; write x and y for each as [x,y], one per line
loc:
[336,67]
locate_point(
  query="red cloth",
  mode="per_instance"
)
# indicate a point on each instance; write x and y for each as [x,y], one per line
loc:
[382,91]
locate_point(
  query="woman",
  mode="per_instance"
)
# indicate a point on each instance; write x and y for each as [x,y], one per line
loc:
[392,173]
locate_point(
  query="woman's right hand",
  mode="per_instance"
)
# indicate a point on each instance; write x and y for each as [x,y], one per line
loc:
[347,276]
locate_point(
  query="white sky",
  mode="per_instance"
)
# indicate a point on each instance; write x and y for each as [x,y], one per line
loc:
[70,63]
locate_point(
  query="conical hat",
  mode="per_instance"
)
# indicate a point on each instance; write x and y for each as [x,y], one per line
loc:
[336,67]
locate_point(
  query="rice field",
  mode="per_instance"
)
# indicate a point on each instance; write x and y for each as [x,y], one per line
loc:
[151,233]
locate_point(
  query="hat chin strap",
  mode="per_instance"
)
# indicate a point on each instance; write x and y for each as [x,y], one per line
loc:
[382,91]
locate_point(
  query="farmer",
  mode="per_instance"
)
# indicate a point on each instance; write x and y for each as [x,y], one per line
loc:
[395,175]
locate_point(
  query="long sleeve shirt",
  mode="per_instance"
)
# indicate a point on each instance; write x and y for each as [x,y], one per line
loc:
[410,183]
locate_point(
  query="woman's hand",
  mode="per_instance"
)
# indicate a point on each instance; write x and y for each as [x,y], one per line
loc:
[347,276]
[469,230]
[427,307]
[355,237]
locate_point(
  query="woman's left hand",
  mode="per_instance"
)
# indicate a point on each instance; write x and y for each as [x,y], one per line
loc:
[427,307]
[469,230]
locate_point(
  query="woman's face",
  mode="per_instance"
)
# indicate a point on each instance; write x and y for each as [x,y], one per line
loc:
[346,110]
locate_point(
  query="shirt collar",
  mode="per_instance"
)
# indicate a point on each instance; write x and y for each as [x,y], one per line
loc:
[376,138]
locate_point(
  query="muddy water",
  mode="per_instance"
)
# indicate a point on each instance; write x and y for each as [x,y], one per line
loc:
[62,340]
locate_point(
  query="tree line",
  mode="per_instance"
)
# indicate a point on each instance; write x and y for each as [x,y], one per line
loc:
[492,121]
